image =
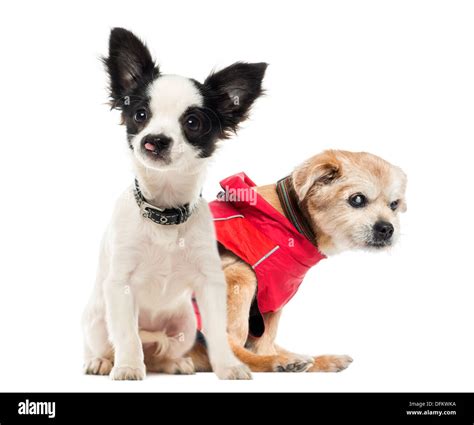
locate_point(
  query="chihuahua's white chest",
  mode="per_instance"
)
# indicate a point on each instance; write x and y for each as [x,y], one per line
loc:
[162,274]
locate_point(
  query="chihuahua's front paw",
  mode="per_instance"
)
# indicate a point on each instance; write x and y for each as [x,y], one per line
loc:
[127,373]
[236,371]
[97,366]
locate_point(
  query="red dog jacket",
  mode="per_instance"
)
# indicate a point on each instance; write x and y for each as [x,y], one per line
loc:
[279,251]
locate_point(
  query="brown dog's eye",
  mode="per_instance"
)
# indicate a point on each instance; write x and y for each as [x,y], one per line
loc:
[394,205]
[358,200]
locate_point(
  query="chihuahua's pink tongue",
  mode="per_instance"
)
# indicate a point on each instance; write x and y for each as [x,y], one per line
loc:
[149,147]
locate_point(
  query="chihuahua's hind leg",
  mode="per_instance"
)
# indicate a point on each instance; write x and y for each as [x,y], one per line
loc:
[167,353]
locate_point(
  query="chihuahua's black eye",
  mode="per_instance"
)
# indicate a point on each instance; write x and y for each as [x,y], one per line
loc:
[357,200]
[394,205]
[140,115]
[193,123]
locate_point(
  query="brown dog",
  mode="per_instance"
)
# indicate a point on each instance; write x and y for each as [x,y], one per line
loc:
[349,200]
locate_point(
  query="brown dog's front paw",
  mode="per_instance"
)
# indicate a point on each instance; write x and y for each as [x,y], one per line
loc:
[293,363]
[330,363]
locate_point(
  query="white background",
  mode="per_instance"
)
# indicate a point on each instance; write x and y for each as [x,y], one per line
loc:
[392,78]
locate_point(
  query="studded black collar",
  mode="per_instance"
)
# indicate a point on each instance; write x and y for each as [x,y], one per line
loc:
[165,216]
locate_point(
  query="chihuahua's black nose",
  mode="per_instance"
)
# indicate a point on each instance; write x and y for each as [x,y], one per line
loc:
[156,143]
[383,231]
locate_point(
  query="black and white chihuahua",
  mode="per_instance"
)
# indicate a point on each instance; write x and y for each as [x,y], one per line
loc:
[160,246]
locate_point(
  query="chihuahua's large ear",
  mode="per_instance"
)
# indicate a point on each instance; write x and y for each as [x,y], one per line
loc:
[129,63]
[232,91]
[320,170]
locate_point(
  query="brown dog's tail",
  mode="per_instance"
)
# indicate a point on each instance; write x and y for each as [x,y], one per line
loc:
[256,363]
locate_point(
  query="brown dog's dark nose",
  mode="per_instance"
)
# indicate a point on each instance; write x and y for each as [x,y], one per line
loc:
[383,231]
[156,143]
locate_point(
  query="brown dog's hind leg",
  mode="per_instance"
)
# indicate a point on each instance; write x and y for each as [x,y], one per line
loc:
[241,289]
[265,345]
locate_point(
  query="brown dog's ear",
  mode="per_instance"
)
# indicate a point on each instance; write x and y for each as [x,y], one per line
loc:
[320,170]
